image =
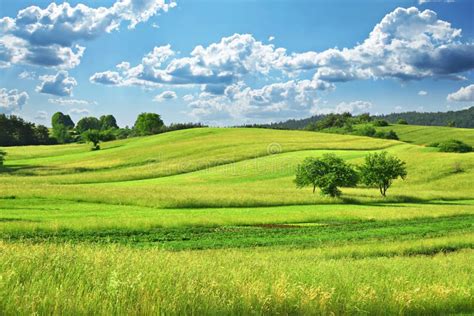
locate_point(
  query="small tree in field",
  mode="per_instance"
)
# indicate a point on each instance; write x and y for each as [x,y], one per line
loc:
[92,136]
[328,173]
[381,169]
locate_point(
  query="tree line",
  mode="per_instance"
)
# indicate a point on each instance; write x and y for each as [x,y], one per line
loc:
[462,118]
[14,131]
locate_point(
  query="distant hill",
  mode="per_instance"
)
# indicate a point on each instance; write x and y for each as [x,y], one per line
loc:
[462,118]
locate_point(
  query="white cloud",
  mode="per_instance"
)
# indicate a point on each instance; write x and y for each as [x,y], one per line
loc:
[27,75]
[49,37]
[107,78]
[465,94]
[81,112]
[60,84]
[398,108]
[271,38]
[166,95]
[216,66]
[188,97]
[12,100]
[354,107]
[422,92]
[407,44]
[41,115]
[68,102]
[274,101]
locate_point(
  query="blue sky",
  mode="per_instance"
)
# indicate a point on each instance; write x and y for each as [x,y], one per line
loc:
[234,62]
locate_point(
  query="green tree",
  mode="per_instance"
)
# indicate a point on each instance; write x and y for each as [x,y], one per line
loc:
[328,173]
[402,121]
[62,126]
[87,123]
[42,135]
[107,122]
[148,124]
[381,169]
[92,136]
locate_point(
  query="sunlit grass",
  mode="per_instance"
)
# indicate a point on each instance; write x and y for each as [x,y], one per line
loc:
[115,231]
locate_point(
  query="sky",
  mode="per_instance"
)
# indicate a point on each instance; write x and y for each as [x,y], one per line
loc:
[234,62]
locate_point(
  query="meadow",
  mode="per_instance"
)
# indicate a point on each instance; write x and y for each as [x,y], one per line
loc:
[209,221]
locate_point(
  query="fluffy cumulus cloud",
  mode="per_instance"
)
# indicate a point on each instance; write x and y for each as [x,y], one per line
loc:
[164,96]
[422,92]
[49,37]
[407,44]
[12,100]
[60,84]
[216,66]
[354,107]
[294,98]
[465,94]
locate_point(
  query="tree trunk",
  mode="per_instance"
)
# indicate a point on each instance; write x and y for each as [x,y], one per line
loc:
[314,188]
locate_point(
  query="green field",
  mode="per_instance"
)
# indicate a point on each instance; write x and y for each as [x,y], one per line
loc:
[209,221]
[424,135]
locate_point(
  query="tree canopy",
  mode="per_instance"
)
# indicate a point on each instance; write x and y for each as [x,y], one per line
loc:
[93,136]
[328,173]
[108,122]
[381,169]
[148,124]
[62,125]
[87,123]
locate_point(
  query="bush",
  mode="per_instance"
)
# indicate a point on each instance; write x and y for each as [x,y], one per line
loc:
[454,146]
[391,135]
[380,123]
[402,122]
[2,157]
[366,131]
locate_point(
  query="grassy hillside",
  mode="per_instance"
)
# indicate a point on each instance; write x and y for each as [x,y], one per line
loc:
[424,135]
[209,221]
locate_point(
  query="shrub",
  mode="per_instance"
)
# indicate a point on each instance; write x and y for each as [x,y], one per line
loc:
[2,157]
[391,135]
[454,146]
[366,131]
[380,123]
[402,122]
[380,169]
[328,173]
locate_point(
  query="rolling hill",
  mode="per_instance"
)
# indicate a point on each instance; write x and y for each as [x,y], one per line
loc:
[210,219]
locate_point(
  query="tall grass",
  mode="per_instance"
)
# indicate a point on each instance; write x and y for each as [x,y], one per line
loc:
[48,279]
